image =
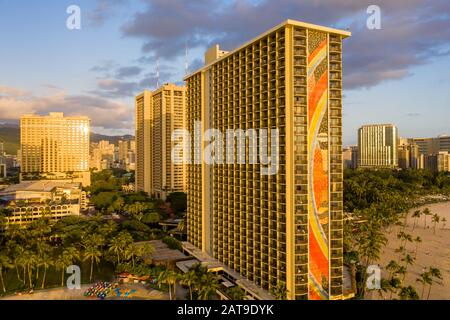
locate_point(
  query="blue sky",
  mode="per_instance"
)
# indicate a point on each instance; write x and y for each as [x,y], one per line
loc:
[399,74]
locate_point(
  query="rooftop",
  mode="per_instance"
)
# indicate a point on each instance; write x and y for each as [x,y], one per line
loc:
[41,185]
[162,252]
[287,22]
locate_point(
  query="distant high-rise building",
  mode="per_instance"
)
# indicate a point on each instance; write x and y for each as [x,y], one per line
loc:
[123,146]
[404,156]
[286,227]
[350,157]
[158,114]
[444,143]
[429,146]
[55,147]
[143,174]
[438,162]
[347,158]
[126,154]
[355,154]
[102,155]
[416,158]
[378,146]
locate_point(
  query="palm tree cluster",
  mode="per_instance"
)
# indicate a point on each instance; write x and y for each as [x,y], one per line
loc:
[398,189]
[435,219]
[374,202]
[429,277]
[394,283]
[30,252]
[202,285]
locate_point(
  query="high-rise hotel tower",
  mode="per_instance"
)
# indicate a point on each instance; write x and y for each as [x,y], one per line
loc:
[158,114]
[378,146]
[285,227]
[55,147]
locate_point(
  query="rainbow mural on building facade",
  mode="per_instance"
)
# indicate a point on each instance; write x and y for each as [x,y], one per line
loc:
[318,165]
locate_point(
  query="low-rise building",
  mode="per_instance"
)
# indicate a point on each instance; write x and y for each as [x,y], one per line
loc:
[32,200]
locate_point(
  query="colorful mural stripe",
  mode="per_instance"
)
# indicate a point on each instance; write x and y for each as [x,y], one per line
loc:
[318,166]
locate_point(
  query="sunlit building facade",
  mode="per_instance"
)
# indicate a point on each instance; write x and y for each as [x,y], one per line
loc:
[158,115]
[378,146]
[33,200]
[142,126]
[285,227]
[55,147]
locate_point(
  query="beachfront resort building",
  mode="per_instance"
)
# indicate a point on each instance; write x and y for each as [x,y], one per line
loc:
[271,227]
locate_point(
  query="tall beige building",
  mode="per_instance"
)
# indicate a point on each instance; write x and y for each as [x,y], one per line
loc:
[285,227]
[158,114]
[55,147]
[378,146]
[142,118]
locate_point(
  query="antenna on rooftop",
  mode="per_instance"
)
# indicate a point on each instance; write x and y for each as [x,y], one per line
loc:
[157,72]
[186,61]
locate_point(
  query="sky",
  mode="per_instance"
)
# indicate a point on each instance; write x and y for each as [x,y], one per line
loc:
[398,74]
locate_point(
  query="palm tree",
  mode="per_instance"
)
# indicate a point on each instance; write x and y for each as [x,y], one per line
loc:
[400,250]
[93,253]
[394,284]
[19,252]
[163,279]
[29,262]
[61,263]
[435,219]
[280,291]
[209,285]
[72,254]
[434,273]
[405,238]
[130,252]
[236,293]
[370,246]
[444,222]
[117,246]
[45,262]
[181,225]
[42,249]
[401,270]
[172,279]
[189,279]
[416,215]
[5,264]
[392,266]
[426,212]
[136,210]
[408,260]
[417,240]
[408,293]
[425,278]
[145,253]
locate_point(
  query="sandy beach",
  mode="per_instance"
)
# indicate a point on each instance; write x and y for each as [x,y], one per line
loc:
[433,251]
[65,294]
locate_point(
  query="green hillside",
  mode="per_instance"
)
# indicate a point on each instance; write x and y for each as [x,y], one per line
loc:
[10,136]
